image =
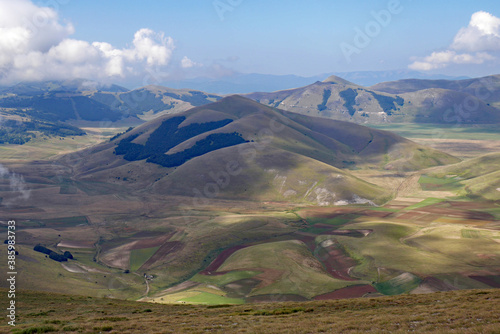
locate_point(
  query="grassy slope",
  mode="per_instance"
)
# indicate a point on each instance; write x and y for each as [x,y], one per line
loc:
[139,256]
[429,313]
[300,272]
[47,147]
[475,178]
[274,175]
[434,250]
[38,271]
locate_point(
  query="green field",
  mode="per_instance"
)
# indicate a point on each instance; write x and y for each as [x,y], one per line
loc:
[473,234]
[65,222]
[424,203]
[337,221]
[139,256]
[435,250]
[403,283]
[46,147]
[445,131]
[292,265]
[37,270]
[221,280]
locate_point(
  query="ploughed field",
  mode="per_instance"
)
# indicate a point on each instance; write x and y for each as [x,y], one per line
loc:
[403,247]
[290,254]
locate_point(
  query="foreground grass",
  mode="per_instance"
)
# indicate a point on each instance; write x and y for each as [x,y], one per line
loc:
[471,311]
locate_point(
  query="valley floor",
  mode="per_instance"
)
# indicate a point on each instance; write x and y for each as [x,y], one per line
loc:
[441,232]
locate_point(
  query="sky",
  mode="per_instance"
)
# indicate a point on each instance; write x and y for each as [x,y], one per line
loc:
[161,40]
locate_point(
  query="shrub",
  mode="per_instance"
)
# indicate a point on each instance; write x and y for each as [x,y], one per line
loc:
[57,257]
[42,249]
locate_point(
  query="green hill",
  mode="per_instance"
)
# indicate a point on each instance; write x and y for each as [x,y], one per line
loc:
[477,178]
[241,149]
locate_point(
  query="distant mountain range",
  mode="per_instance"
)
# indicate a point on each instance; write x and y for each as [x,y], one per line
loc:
[59,107]
[56,107]
[468,101]
[240,83]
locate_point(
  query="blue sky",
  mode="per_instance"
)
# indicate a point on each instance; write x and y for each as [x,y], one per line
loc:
[215,37]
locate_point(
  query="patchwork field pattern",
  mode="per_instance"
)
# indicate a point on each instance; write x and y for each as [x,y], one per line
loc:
[347,252]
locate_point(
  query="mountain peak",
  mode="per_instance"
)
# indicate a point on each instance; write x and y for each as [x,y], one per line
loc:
[338,80]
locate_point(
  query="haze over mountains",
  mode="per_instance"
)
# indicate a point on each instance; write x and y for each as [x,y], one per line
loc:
[239,83]
[411,100]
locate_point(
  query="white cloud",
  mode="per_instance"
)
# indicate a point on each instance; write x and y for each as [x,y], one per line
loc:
[155,48]
[188,63]
[18,188]
[482,34]
[442,59]
[35,45]
[475,44]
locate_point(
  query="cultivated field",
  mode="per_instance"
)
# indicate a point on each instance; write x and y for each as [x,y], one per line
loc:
[440,232]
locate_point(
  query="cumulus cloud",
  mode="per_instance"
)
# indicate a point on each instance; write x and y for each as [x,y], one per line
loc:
[442,59]
[482,34]
[477,43]
[36,45]
[188,63]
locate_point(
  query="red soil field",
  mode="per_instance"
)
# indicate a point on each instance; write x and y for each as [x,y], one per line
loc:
[457,213]
[167,248]
[336,263]
[327,212]
[493,281]
[472,205]
[215,264]
[275,298]
[151,242]
[354,291]
[372,213]
[436,284]
[308,240]
[325,226]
